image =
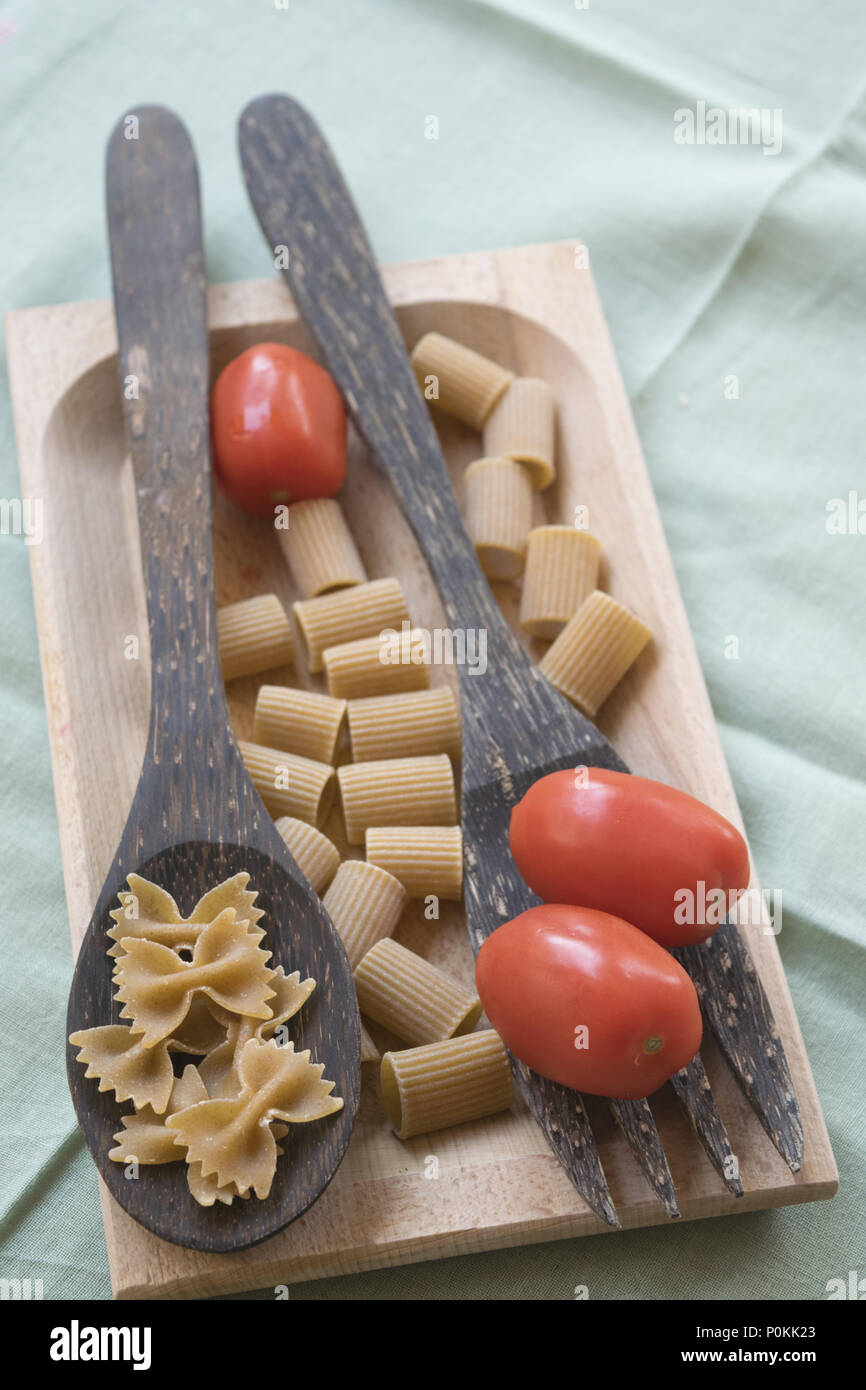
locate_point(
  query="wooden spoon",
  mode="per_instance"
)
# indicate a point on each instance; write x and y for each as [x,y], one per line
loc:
[196,818]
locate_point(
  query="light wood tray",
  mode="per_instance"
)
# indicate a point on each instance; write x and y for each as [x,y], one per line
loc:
[479,1186]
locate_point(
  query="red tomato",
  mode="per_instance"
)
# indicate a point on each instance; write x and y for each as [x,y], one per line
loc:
[588,1000]
[279,429]
[630,846]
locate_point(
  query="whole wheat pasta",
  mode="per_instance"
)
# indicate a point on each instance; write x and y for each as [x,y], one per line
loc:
[498,513]
[319,547]
[223,1117]
[405,726]
[376,666]
[410,997]
[561,571]
[298,721]
[349,614]
[253,635]
[522,426]
[364,903]
[397,791]
[594,651]
[317,858]
[289,785]
[369,1050]
[427,859]
[460,381]
[446,1083]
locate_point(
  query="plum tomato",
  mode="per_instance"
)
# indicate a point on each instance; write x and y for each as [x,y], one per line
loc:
[279,429]
[588,1000]
[627,845]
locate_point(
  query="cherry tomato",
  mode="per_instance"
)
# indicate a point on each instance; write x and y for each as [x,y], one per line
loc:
[588,1000]
[279,429]
[631,846]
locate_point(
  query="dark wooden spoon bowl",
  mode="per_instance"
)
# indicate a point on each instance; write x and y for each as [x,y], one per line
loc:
[196,818]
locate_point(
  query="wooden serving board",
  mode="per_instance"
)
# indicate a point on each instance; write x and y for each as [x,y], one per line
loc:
[480,1186]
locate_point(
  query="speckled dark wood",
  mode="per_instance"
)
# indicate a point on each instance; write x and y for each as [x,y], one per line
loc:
[692,1088]
[196,818]
[636,1122]
[511,712]
[739,1014]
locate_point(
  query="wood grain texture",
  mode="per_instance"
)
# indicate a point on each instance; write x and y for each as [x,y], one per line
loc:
[195,818]
[498,1183]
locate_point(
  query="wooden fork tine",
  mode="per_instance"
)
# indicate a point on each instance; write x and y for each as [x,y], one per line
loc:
[691,1086]
[637,1124]
[739,1015]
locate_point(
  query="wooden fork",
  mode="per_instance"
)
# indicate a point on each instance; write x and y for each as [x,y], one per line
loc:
[516,726]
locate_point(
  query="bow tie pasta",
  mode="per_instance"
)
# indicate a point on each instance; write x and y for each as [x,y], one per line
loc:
[203,985]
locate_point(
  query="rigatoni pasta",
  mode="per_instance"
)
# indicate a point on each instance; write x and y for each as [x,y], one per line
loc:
[446,1083]
[364,903]
[397,791]
[594,651]
[405,726]
[561,571]
[460,381]
[427,859]
[410,997]
[348,615]
[298,721]
[316,856]
[319,547]
[376,666]
[253,635]
[522,426]
[498,514]
[289,785]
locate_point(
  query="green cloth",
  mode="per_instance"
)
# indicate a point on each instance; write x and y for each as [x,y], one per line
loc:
[713,262]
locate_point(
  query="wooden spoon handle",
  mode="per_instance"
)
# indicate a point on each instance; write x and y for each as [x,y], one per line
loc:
[303,203]
[160,296]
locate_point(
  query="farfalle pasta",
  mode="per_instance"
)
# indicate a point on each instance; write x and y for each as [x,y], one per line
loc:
[203,985]
[219,1070]
[118,1056]
[232,1139]
[156,986]
[149,911]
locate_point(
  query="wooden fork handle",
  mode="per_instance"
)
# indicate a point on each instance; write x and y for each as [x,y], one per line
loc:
[303,204]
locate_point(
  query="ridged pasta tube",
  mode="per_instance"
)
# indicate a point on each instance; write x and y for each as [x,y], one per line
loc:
[460,381]
[289,785]
[594,651]
[253,635]
[410,997]
[446,1083]
[376,666]
[498,514]
[364,903]
[561,571]
[405,726]
[319,548]
[397,791]
[522,426]
[348,615]
[298,721]
[427,859]
[316,856]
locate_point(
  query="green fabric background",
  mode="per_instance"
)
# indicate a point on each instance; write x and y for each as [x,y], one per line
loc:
[555,122]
